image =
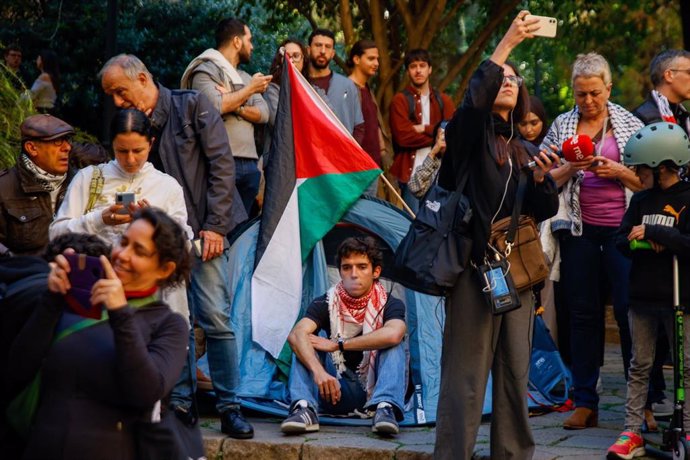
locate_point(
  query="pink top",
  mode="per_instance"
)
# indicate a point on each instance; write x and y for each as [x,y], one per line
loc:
[602,201]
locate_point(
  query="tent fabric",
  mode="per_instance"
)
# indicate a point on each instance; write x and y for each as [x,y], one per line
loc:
[263,378]
[262,382]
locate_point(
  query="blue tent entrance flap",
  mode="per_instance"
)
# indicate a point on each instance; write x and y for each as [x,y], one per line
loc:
[262,384]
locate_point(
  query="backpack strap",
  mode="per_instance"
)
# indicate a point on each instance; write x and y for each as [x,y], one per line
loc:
[95,188]
[411,103]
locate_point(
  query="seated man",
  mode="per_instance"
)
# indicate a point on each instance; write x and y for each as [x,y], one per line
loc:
[362,363]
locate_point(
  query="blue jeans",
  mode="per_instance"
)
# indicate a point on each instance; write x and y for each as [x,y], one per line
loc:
[585,261]
[391,381]
[209,304]
[247,180]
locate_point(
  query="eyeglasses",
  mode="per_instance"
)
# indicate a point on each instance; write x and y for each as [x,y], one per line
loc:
[687,71]
[513,80]
[295,57]
[59,142]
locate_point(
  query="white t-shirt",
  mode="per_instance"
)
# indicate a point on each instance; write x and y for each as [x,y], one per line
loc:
[421,154]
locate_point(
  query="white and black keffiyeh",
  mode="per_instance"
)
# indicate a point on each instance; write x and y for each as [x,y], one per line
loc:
[624,125]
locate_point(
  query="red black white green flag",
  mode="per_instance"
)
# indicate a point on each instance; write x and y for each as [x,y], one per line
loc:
[314,172]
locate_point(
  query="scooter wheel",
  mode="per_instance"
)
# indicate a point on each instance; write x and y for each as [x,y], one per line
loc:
[680,452]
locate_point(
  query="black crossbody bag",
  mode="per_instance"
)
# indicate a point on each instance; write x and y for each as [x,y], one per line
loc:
[436,249]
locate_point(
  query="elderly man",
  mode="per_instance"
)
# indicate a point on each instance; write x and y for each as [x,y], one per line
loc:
[236,95]
[192,146]
[33,189]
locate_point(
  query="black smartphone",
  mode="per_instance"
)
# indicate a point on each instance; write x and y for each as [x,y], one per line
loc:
[84,272]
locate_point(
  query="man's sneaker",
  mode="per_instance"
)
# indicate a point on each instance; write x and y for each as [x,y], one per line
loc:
[663,408]
[384,420]
[627,446]
[302,419]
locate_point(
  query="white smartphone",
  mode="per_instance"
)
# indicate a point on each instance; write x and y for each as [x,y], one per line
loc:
[547,25]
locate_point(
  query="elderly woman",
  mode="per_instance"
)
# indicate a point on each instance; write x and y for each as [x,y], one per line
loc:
[595,195]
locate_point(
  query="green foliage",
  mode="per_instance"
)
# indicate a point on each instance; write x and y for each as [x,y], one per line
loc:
[15,105]
[628,34]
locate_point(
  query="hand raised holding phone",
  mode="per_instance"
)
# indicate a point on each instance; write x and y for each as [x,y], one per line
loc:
[108,290]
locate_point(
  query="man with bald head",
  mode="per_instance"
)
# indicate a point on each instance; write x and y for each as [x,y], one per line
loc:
[191,145]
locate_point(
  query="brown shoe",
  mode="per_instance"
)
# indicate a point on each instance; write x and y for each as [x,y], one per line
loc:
[581,418]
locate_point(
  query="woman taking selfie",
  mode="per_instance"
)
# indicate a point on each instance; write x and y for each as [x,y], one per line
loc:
[101,379]
[483,144]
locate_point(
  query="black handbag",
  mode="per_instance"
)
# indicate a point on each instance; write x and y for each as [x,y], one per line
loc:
[437,246]
[169,439]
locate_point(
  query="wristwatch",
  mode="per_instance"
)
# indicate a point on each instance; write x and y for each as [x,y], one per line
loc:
[240,109]
[341,344]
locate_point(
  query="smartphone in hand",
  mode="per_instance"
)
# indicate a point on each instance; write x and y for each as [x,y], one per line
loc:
[84,272]
[125,199]
[547,26]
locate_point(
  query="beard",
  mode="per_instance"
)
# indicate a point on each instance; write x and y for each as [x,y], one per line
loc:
[244,55]
[316,65]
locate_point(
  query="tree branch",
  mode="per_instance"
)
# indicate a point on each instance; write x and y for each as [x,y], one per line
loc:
[346,22]
[478,44]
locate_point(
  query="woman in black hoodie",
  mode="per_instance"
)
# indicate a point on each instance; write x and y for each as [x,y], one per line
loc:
[484,142]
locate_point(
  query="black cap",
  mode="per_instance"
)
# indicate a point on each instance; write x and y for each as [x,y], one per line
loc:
[44,128]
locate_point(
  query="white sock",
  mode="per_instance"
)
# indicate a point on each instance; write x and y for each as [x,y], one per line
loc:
[382,405]
[302,403]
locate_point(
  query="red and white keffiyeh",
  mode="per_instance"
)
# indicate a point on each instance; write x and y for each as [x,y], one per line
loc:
[350,317]
[666,112]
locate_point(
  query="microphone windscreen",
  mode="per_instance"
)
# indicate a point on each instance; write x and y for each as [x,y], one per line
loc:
[578,147]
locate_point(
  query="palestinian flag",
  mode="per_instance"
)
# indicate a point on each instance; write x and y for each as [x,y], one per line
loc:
[315,171]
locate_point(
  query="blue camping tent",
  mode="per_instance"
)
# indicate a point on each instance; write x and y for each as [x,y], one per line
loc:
[263,388]
[262,380]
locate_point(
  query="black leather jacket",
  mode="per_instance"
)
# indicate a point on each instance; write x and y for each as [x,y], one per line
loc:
[192,146]
[25,211]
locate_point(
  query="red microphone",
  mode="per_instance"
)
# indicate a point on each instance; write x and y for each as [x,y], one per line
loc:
[578,147]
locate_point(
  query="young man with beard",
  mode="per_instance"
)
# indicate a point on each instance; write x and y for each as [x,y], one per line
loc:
[236,95]
[364,61]
[414,113]
[361,362]
[343,96]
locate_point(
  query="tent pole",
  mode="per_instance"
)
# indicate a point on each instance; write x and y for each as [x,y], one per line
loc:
[397,195]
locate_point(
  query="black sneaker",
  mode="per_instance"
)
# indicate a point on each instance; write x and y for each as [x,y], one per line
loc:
[233,423]
[384,421]
[186,415]
[300,420]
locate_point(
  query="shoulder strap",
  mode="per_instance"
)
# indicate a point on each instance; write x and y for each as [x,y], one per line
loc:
[95,188]
[517,208]
[410,104]
[439,99]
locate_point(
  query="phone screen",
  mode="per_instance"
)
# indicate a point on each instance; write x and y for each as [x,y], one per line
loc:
[497,282]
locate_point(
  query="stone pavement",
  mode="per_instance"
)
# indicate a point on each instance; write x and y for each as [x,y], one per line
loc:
[350,443]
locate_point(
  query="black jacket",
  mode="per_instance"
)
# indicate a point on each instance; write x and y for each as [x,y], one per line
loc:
[648,112]
[26,210]
[467,138]
[665,215]
[192,146]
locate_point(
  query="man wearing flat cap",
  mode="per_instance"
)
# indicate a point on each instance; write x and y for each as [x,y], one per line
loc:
[32,190]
